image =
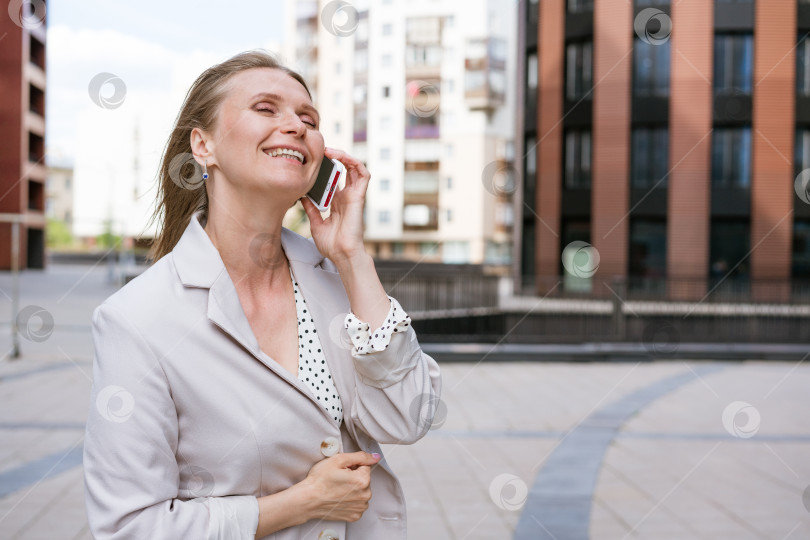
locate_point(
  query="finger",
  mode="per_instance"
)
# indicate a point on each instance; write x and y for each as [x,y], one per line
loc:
[350,163]
[312,211]
[355,459]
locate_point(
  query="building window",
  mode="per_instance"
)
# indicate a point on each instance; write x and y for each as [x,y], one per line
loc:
[337,68]
[650,157]
[801,249]
[383,216]
[728,250]
[416,215]
[449,182]
[529,171]
[803,66]
[733,63]
[648,251]
[337,127]
[385,123]
[578,70]
[580,6]
[385,184]
[531,72]
[361,60]
[578,159]
[428,248]
[386,91]
[386,60]
[387,29]
[456,252]
[731,157]
[448,214]
[385,154]
[802,155]
[651,69]
[534,11]
[575,230]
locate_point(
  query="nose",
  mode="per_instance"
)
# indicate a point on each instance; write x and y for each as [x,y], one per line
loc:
[293,124]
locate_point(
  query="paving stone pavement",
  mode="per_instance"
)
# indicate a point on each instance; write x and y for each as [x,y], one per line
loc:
[724,453]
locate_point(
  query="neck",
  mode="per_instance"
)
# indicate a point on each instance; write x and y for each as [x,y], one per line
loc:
[249,241]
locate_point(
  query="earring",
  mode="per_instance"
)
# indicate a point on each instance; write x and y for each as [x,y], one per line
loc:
[205,170]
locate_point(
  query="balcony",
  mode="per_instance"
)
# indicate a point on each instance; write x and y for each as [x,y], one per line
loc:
[425,131]
[485,74]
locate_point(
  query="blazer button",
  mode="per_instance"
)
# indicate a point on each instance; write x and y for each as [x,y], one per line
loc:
[328,534]
[330,447]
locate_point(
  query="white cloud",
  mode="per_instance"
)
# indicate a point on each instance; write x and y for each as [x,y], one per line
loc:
[103,141]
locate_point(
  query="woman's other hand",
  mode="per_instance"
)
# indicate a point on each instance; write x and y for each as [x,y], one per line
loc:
[339,237]
[340,486]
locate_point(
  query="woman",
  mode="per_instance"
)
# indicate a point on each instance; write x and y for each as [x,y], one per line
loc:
[239,389]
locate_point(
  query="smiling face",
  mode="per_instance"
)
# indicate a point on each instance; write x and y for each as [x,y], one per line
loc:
[266,136]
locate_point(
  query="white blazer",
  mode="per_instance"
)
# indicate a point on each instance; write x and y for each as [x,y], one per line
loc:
[190,421]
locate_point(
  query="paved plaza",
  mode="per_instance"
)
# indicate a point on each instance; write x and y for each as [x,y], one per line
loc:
[673,449]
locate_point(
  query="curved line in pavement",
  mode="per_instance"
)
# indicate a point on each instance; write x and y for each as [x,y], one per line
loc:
[559,502]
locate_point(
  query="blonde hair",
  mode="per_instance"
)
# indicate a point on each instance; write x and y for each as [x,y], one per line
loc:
[176,201]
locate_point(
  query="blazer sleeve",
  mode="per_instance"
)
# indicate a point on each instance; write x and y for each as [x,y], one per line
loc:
[131,475]
[398,386]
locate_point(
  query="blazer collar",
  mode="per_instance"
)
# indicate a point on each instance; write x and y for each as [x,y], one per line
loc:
[199,263]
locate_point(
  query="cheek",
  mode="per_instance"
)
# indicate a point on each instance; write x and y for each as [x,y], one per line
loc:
[316,144]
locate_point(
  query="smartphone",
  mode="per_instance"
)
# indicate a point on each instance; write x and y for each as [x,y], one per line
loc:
[329,176]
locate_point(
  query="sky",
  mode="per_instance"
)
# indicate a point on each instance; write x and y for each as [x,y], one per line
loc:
[153,51]
[154,46]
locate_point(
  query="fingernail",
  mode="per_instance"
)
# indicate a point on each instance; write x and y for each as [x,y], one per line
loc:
[375,455]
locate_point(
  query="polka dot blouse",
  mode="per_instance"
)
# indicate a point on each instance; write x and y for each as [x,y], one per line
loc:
[312,367]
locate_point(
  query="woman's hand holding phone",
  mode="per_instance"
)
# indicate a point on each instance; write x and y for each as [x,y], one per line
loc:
[340,236]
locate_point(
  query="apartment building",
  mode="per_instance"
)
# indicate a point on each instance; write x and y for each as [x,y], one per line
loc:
[669,137]
[22,131]
[422,92]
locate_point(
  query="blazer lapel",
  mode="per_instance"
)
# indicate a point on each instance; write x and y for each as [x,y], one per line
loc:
[199,264]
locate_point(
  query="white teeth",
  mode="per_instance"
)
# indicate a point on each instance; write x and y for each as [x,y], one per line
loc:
[286,152]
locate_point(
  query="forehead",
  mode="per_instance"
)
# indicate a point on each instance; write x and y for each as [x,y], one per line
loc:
[243,86]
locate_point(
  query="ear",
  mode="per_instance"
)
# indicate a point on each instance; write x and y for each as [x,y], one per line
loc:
[202,146]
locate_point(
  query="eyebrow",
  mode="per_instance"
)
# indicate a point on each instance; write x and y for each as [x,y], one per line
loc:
[276,97]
